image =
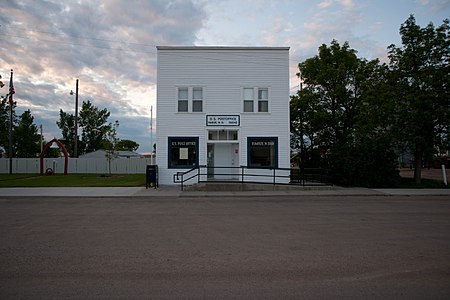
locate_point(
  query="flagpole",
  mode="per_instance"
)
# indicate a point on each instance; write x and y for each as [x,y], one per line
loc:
[11,92]
[151,133]
[75,148]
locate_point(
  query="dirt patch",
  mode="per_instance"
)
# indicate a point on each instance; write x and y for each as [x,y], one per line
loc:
[435,174]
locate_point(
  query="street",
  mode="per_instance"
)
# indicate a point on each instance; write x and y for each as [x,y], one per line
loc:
[308,247]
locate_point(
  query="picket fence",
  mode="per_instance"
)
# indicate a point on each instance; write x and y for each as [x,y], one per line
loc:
[135,165]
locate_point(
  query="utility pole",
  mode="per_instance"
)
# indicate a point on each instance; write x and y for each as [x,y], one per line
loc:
[75,139]
[11,92]
[151,133]
[40,126]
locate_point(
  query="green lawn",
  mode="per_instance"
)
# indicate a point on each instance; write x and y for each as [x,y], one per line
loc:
[33,180]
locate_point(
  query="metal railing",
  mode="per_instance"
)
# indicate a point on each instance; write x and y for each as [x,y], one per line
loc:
[244,174]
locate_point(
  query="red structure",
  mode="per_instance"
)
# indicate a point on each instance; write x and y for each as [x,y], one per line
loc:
[61,146]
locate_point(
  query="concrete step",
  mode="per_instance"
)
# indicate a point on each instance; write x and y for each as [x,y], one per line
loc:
[237,186]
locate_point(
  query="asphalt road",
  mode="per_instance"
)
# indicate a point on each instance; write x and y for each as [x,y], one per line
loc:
[225,248]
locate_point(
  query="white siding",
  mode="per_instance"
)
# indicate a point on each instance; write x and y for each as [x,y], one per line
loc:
[223,73]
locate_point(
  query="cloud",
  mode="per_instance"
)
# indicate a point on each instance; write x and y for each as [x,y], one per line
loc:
[348,4]
[325,4]
[436,5]
[109,46]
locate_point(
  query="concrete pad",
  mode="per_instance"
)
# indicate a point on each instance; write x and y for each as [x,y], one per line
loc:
[415,192]
[70,191]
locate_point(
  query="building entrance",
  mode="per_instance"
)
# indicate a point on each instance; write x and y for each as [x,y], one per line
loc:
[222,160]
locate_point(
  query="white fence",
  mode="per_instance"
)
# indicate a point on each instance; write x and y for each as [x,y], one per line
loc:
[77,165]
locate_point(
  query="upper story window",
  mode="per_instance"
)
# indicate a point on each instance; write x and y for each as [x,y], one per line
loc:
[262,98]
[192,95]
[183,99]
[197,99]
[248,99]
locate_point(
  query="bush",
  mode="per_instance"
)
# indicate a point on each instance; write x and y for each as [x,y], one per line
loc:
[371,163]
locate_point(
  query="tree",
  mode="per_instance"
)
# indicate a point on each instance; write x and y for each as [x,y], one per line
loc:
[329,115]
[26,136]
[110,144]
[3,120]
[421,68]
[325,111]
[4,123]
[93,122]
[127,145]
[67,125]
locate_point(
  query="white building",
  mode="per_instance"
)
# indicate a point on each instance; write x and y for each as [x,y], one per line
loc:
[222,107]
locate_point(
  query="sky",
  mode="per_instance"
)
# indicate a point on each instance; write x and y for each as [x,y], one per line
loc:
[110,45]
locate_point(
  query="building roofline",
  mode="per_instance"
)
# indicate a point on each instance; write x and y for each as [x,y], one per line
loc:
[218,48]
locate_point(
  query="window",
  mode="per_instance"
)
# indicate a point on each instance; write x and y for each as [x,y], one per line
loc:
[197,99]
[262,152]
[248,100]
[183,152]
[183,99]
[222,135]
[263,100]
[188,96]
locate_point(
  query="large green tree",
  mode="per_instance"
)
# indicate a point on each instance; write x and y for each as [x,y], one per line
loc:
[421,68]
[332,85]
[97,132]
[330,113]
[26,136]
[127,145]
[67,125]
[4,124]
[94,124]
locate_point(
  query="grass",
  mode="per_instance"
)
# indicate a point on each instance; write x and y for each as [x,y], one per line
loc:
[72,180]
[124,180]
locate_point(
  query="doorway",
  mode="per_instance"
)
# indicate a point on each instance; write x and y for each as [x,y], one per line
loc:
[223,161]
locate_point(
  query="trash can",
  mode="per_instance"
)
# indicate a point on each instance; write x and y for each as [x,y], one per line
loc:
[151,176]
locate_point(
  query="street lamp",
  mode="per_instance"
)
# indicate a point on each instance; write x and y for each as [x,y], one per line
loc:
[75,154]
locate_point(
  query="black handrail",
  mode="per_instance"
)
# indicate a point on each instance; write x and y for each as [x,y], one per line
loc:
[179,176]
[288,176]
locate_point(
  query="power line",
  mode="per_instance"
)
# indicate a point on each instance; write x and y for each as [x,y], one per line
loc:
[129,49]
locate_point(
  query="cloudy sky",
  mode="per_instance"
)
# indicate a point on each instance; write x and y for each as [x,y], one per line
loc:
[110,45]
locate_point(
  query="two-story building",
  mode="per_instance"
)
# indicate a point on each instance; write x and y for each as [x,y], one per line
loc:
[222,107]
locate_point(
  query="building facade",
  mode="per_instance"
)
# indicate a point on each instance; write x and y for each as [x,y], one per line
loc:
[224,107]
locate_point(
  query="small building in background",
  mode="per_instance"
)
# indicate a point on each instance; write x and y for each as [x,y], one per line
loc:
[224,107]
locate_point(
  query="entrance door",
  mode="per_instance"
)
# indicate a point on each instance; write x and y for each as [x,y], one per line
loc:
[225,157]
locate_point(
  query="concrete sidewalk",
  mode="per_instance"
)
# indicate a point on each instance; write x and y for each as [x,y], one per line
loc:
[174,191]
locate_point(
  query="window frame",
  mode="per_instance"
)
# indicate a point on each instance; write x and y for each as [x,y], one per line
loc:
[194,100]
[182,100]
[190,104]
[170,149]
[231,135]
[263,100]
[252,165]
[248,101]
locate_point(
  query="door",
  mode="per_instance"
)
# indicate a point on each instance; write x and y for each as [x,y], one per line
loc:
[235,161]
[226,157]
